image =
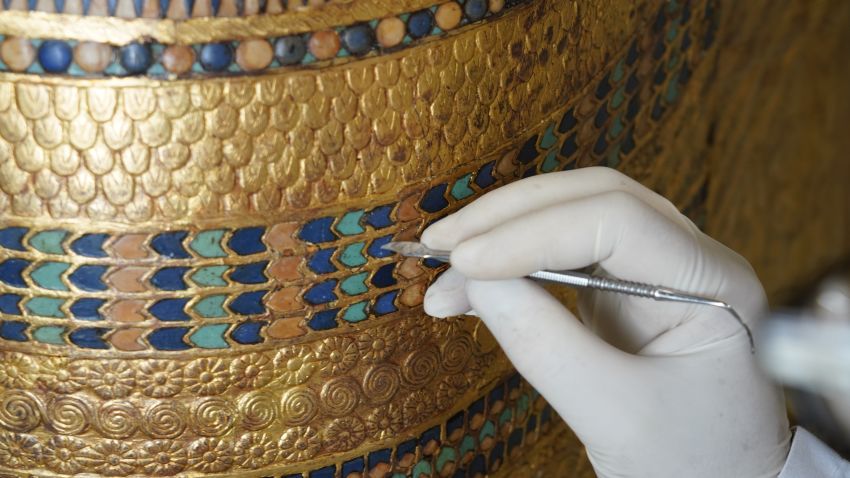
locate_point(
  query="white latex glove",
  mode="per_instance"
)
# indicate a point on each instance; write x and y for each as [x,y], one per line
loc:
[652,389]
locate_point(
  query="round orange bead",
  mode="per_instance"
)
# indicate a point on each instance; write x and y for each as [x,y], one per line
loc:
[496,6]
[254,54]
[324,44]
[390,32]
[448,15]
[17,53]
[178,58]
[93,57]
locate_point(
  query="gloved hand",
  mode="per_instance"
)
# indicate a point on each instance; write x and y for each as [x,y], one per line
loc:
[652,389]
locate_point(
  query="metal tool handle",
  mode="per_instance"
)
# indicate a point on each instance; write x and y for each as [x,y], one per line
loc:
[579,279]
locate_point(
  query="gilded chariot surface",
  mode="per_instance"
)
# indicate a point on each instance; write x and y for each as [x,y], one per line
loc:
[193,199]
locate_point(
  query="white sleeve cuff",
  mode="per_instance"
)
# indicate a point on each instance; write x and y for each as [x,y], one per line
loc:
[811,458]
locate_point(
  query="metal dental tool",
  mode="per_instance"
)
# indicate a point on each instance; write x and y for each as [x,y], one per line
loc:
[586,281]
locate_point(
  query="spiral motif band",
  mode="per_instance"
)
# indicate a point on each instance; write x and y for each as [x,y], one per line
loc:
[456,353]
[117,419]
[381,383]
[299,406]
[68,415]
[421,366]
[258,410]
[212,416]
[340,396]
[19,411]
[164,420]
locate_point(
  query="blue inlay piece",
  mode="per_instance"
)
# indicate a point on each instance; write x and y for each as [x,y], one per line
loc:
[628,144]
[528,151]
[170,278]
[632,83]
[529,172]
[55,56]
[111,5]
[323,320]
[296,475]
[321,293]
[515,439]
[14,330]
[475,9]
[356,465]
[87,308]
[10,304]
[326,472]
[169,338]
[601,144]
[88,277]
[476,407]
[420,23]
[170,244]
[685,74]
[170,310]
[247,241]
[514,381]
[660,20]
[496,454]
[138,7]
[12,238]
[435,199]
[379,217]
[657,109]
[90,245]
[686,41]
[428,435]
[248,333]
[189,6]
[289,50]
[569,147]
[216,56]
[601,116]
[249,303]
[568,121]
[384,276]
[633,109]
[358,39]
[432,263]
[89,338]
[318,231]
[250,273]
[376,249]
[546,415]
[383,456]
[660,76]
[632,55]
[603,88]
[164,4]
[455,422]
[385,303]
[136,58]
[531,424]
[484,177]
[11,272]
[478,466]
[320,261]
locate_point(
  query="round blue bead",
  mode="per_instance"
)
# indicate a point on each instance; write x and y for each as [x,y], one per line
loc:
[358,39]
[290,50]
[216,56]
[475,9]
[136,58]
[420,23]
[55,56]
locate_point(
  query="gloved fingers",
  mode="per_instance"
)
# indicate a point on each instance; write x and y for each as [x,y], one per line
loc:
[538,192]
[446,297]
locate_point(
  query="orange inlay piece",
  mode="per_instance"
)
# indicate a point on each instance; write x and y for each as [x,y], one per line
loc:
[280,236]
[286,328]
[285,268]
[407,208]
[127,311]
[128,279]
[410,268]
[127,339]
[413,295]
[131,246]
[284,300]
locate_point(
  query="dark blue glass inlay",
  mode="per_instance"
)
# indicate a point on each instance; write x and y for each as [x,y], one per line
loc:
[657,109]
[379,217]
[455,422]
[478,466]
[632,55]
[531,425]
[685,74]
[250,273]
[601,116]
[514,381]
[406,448]
[216,56]
[546,415]
[628,143]
[528,151]
[603,88]
[515,439]
[12,238]
[170,244]
[248,333]
[88,277]
[686,13]
[249,303]
[138,7]
[356,465]
[87,308]
[659,49]
[476,407]
[89,338]
[14,330]
[497,394]
[484,177]
[11,272]
[569,147]
[296,475]
[632,83]
[323,320]
[660,20]
[384,276]
[170,278]
[435,199]
[660,75]
[59,5]
[376,249]
[433,263]
[633,108]
[686,40]
[383,456]
[326,472]
[55,56]
[568,121]
[290,50]
[321,293]
[420,23]
[170,310]
[428,435]
[247,241]
[90,245]
[318,231]
[529,172]
[215,5]
[601,143]
[496,454]
[136,58]
[10,304]
[385,303]
[169,338]
[189,5]
[358,39]
[111,5]
[320,261]
[475,9]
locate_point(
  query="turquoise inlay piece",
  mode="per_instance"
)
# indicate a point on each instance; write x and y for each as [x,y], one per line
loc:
[211,306]
[355,312]
[210,336]
[613,159]
[548,140]
[488,430]
[619,71]
[618,98]
[672,31]
[522,405]
[209,276]
[616,127]
[506,416]
[467,445]
[398,475]
[422,468]
[46,307]
[49,275]
[551,162]
[352,255]
[460,189]
[672,91]
[355,284]
[208,243]
[673,61]
[447,455]
[49,242]
[49,334]
[350,223]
